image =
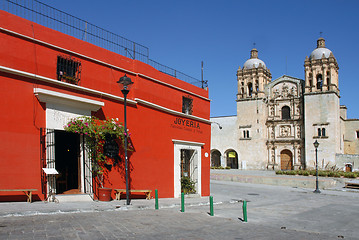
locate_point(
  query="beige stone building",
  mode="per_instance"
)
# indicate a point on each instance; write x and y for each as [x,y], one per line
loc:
[278,120]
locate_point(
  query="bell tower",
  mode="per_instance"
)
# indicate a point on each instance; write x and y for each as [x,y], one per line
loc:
[321,106]
[321,70]
[252,112]
[253,78]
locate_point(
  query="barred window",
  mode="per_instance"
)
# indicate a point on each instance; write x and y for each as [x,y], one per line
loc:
[187,105]
[68,69]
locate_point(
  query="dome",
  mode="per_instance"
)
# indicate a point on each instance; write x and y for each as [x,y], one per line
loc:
[318,53]
[320,50]
[254,61]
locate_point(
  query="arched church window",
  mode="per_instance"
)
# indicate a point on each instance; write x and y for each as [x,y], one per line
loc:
[310,80]
[328,80]
[319,132]
[242,90]
[285,112]
[250,89]
[323,132]
[319,81]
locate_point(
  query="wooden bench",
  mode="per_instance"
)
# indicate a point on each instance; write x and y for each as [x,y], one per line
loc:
[123,191]
[352,184]
[28,192]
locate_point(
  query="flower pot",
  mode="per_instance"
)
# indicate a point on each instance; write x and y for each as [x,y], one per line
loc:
[104,194]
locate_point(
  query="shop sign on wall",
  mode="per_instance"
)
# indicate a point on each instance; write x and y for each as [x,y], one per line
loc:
[187,125]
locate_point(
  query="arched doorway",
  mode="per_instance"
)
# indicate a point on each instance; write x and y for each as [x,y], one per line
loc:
[232,159]
[348,167]
[215,158]
[286,160]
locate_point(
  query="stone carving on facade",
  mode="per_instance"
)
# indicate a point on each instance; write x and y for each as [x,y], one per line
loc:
[271,110]
[298,155]
[285,131]
[276,93]
[272,132]
[297,109]
[285,91]
[298,131]
[273,156]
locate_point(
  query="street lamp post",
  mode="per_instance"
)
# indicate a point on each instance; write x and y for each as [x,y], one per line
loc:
[316,145]
[126,85]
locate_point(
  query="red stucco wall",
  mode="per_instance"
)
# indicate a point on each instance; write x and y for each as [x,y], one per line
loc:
[23,115]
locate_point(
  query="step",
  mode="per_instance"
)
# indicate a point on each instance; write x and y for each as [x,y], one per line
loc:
[74,198]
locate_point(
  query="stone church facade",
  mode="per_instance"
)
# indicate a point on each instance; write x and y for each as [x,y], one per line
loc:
[278,120]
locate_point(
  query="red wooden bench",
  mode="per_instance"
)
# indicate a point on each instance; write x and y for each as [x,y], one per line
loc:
[28,192]
[120,191]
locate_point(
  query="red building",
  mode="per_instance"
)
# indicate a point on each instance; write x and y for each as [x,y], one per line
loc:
[48,78]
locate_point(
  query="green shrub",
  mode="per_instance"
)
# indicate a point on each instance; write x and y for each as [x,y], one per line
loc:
[279,172]
[220,167]
[323,173]
[350,175]
[306,173]
[336,174]
[187,185]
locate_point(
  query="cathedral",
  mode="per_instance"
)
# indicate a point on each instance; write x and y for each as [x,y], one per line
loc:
[278,120]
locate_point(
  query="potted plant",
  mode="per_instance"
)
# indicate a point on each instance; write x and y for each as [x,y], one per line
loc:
[188,186]
[102,140]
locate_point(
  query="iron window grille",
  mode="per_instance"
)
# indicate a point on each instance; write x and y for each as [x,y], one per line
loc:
[187,105]
[68,69]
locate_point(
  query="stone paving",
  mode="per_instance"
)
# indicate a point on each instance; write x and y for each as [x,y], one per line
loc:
[139,224]
[274,212]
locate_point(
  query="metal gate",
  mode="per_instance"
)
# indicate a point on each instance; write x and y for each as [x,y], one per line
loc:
[87,168]
[47,158]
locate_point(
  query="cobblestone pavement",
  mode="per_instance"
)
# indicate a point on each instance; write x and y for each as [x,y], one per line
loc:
[274,212]
[141,224]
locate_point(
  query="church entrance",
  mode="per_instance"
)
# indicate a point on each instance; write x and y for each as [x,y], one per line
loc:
[286,160]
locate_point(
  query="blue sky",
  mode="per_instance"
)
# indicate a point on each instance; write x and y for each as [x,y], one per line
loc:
[181,34]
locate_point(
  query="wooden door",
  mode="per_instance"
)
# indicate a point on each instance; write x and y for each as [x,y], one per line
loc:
[286,162]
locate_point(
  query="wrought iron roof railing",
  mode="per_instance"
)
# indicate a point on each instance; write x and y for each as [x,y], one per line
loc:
[53,18]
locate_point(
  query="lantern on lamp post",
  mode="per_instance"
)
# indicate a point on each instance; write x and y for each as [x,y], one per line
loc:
[316,145]
[125,83]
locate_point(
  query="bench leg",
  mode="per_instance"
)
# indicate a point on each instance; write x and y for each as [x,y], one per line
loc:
[148,196]
[29,196]
[118,195]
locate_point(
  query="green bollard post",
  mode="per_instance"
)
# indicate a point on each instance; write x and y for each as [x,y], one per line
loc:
[211,206]
[156,199]
[244,211]
[182,202]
